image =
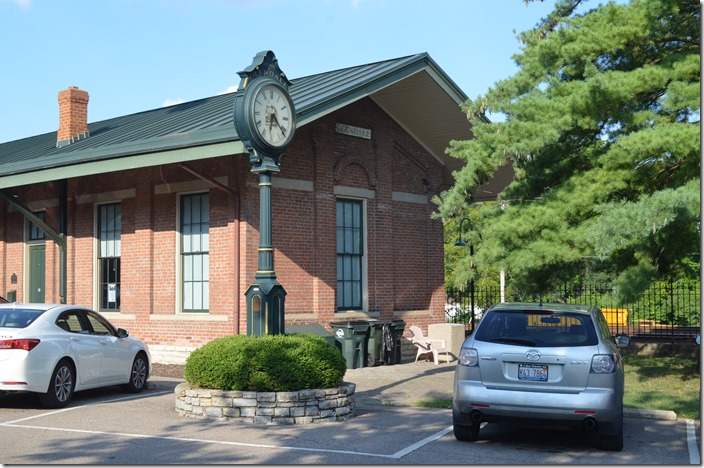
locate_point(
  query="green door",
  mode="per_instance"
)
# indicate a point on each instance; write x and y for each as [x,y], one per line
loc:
[37,272]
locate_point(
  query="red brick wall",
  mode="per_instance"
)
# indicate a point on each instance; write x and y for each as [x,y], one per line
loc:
[404,257]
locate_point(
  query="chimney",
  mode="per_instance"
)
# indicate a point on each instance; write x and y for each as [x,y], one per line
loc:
[73,116]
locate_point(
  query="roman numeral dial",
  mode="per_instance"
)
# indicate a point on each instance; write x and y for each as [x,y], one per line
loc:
[273,115]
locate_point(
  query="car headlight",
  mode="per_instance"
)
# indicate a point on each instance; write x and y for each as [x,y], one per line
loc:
[603,364]
[468,357]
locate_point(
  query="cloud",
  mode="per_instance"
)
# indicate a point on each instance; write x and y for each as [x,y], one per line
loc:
[24,4]
[172,102]
[230,89]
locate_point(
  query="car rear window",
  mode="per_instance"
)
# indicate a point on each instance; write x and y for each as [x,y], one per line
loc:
[537,328]
[18,318]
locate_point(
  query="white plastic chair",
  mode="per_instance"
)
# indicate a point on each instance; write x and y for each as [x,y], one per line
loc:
[427,345]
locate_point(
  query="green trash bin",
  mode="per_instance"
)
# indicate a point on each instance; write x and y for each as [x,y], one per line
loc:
[351,339]
[311,329]
[376,343]
[397,327]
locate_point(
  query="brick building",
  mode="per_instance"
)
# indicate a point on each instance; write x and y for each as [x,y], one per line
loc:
[152,218]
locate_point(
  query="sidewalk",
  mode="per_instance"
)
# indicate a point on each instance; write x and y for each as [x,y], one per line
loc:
[408,384]
[404,384]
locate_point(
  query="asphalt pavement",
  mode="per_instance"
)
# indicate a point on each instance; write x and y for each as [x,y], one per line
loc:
[106,426]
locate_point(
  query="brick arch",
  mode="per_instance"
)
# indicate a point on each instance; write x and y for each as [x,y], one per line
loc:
[347,160]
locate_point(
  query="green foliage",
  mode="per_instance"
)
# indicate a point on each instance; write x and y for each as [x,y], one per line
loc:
[669,383]
[271,363]
[602,131]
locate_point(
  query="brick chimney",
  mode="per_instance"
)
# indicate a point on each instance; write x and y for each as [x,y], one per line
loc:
[73,116]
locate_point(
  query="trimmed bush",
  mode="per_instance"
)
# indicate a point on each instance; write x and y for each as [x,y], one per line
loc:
[270,363]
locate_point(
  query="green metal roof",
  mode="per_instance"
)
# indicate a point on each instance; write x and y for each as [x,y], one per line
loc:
[204,128]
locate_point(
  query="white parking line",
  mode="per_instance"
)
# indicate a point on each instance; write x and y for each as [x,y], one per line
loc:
[207,441]
[694,458]
[398,455]
[417,445]
[63,410]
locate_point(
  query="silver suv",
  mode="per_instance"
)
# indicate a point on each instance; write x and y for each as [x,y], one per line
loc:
[541,364]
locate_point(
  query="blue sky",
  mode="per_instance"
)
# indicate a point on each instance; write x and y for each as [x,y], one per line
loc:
[135,55]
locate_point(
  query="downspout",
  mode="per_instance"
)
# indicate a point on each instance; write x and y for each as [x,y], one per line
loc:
[63,225]
[238,293]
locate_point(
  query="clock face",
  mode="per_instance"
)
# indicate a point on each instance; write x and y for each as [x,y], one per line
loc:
[273,116]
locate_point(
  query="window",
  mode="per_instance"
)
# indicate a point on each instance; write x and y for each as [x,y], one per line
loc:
[195,259]
[349,254]
[109,233]
[34,232]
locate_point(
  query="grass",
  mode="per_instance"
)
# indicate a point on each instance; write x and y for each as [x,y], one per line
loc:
[663,383]
[654,383]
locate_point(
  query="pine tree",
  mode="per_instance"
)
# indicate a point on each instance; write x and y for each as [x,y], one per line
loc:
[602,129]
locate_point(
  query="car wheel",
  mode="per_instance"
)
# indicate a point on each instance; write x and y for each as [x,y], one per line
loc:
[138,374]
[613,442]
[61,385]
[466,433]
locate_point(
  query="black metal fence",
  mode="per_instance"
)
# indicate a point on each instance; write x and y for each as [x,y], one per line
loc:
[667,310]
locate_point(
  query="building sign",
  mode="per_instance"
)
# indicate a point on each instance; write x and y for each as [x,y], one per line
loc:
[365,133]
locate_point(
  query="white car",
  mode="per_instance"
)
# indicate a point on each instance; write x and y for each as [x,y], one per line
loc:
[54,350]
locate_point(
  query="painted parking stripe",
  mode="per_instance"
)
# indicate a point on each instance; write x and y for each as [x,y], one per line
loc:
[419,444]
[204,441]
[694,458]
[72,408]
[16,423]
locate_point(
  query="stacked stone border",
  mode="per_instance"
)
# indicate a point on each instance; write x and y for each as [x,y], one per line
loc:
[301,407]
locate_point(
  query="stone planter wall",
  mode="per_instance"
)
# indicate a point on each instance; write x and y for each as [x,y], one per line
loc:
[302,407]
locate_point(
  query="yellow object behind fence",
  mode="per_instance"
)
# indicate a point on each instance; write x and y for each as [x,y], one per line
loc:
[615,316]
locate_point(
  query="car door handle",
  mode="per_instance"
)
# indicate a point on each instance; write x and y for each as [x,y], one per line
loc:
[103,342]
[73,338]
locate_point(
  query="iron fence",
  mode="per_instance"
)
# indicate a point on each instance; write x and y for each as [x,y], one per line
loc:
[667,310]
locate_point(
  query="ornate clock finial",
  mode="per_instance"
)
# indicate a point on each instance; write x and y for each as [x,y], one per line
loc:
[264,63]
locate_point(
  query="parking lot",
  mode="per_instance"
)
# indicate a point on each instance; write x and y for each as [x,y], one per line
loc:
[109,427]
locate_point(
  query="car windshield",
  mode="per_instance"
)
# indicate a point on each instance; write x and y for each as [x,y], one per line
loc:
[537,328]
[18,318]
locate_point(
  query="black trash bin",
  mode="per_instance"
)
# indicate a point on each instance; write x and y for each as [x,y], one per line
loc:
[375,345]
[351,339]
[396,328]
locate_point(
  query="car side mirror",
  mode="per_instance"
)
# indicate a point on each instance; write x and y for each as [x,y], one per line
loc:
[122,333]
[623,341]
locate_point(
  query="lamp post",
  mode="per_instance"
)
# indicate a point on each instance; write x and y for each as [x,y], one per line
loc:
[461,243]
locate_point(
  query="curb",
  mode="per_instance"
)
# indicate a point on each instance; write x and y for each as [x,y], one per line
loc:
[650,414]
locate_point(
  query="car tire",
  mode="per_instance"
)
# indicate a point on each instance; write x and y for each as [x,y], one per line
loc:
[466,433]
[613,442]
[139,372]
[61,386]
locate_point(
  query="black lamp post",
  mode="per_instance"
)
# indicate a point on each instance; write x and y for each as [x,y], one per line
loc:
[461,243]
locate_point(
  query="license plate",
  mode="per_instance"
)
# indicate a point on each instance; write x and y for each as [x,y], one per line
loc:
[535,372]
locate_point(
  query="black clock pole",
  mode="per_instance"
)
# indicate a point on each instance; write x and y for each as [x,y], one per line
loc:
[265,297]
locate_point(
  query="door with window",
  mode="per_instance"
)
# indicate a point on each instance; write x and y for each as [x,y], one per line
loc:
[36,252]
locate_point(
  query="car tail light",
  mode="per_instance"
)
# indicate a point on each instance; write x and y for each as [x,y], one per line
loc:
[469,357]
[27,344]
[603,364]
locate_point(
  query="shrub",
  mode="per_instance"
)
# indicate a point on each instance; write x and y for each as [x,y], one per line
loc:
[271,363]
